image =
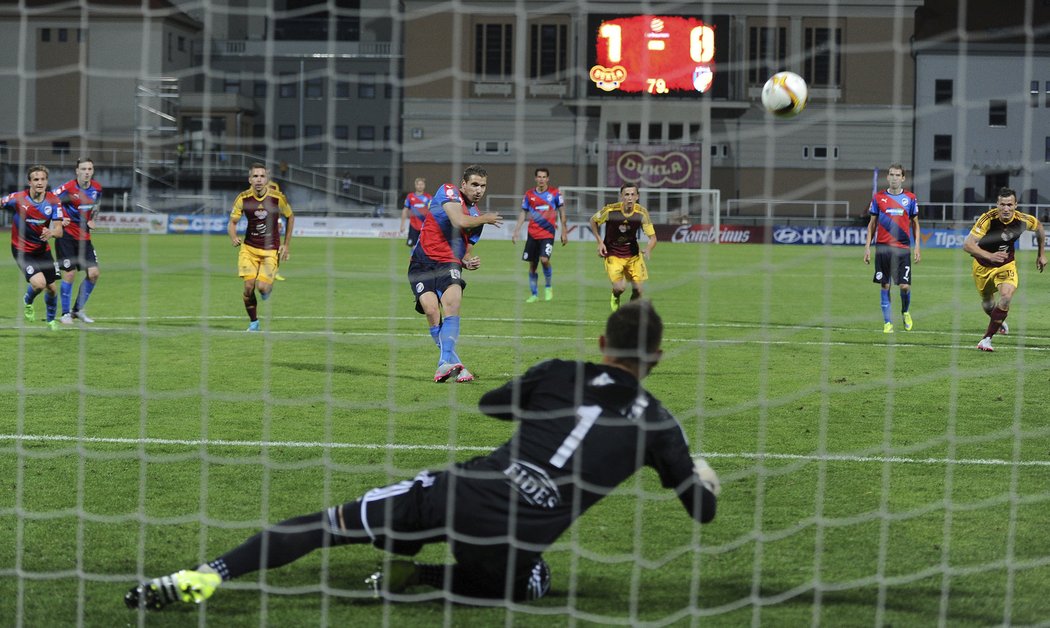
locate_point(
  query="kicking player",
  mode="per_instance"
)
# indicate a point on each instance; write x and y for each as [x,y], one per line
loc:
[262,248]
[38,218]
[582,430]
[894,226]
[80,198]
[544,207]
[435,269]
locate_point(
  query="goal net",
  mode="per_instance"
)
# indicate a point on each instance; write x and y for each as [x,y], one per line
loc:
[876,468]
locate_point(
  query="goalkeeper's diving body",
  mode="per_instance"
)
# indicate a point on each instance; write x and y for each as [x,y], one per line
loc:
[583,428]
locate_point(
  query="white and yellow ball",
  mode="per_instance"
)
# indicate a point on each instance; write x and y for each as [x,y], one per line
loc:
[785,94]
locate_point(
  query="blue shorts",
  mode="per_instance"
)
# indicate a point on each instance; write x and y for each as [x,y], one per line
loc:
[436,278]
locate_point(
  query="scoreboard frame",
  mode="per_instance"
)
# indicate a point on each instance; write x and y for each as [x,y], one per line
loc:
[627,76]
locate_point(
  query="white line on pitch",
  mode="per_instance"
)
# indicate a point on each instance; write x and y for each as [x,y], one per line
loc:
[51,438]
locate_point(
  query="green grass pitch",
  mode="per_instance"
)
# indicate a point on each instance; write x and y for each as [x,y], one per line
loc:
[868,479]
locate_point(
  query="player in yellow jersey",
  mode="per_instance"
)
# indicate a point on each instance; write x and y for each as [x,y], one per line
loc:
[619,247]
[991,243]
[261,247]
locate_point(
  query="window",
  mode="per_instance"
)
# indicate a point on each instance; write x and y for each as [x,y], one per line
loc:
[493,51]
[941,187]
[997,113]
[286,132]
[1046,152]
[311,132]
[676,131]
[315,88]
[942,91]
[634,131]
[289,83]
[341,132]
[549,55]
[822,152]
[942,147]
[366,135]
[45,34]
[63,35]
[366,88]
[182,44]
[258,130]
[766,53]
[231,85]
[823,60]
[259,89]
[656,132]
[1033,93]
[60,148]
[342,89]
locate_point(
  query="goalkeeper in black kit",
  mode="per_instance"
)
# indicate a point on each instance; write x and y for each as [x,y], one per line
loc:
[583,428]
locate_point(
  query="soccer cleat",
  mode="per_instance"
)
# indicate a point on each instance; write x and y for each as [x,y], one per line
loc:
[253,326]
[907,321]
[985,344]
[29,312]
[181,586]
[548,294]
[400,575]
[887,328]
[447,370]
[83,316]
[532,299]
[1004,328]
[614,303]
[278,277]
[53,325]
[67,319]
[464,376]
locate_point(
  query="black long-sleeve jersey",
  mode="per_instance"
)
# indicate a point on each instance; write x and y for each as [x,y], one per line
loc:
[583,429]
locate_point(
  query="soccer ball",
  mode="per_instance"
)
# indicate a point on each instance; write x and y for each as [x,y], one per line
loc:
[785,94]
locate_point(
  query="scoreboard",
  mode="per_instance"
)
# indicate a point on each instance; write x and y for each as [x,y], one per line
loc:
[658,55]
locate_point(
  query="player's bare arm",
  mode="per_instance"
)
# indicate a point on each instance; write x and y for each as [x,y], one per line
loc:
[970,246]
[1040,259]
[867,242]
[231,230]
[648,252]
[602,252]
[471,261]
[517,226]
[285,249]
[463,221]
[916,254]
[564,227]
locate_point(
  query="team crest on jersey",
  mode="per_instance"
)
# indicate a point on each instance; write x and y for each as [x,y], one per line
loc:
[260,214]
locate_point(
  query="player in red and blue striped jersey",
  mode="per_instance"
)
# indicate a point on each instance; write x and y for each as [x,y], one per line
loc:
[417,207]
[436,267]
[80,198]
[894,226]
[38,218]
[544,207]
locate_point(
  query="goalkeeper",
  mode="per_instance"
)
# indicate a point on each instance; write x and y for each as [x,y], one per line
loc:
[583,428]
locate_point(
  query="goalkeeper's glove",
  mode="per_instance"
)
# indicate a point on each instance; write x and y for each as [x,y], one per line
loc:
[707,476]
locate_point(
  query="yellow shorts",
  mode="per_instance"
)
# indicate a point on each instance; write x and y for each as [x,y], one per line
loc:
[258,264]
[988,279]
[630,268]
